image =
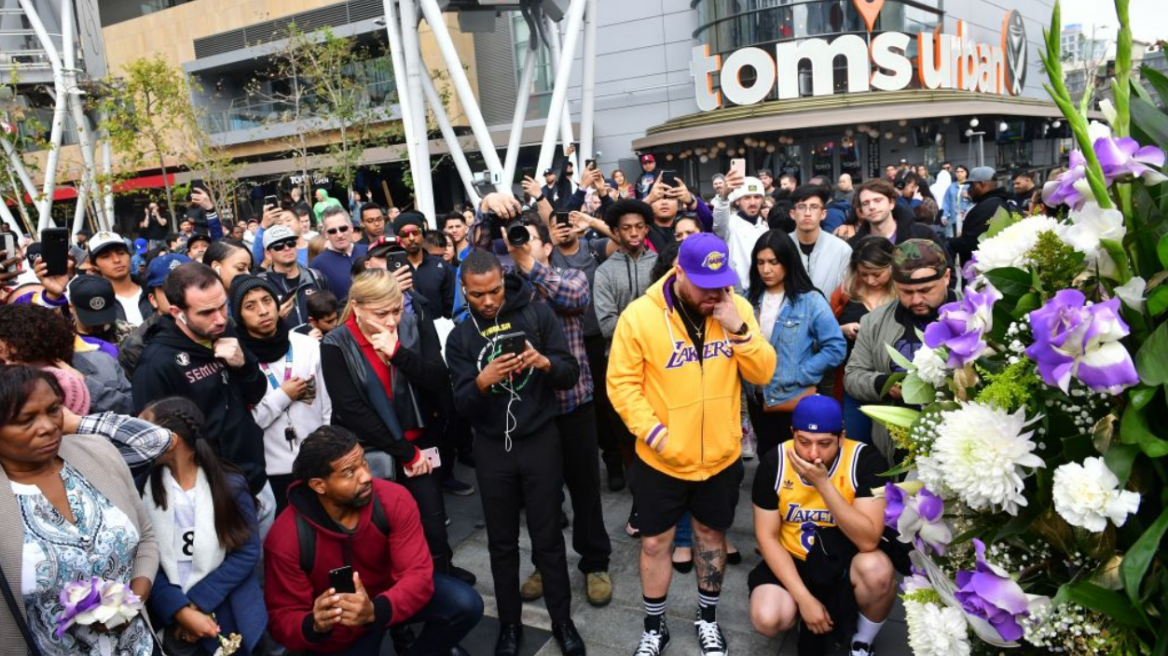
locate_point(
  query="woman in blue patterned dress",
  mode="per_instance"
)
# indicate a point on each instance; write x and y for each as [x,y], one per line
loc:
[70,512]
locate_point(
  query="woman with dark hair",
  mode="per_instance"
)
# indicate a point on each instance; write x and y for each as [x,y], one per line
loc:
[797,321]
[956,202]
[685,226]
[228,258]
[71,513]
[205,519]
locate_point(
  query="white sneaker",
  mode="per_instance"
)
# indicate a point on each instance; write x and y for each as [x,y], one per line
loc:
[710,639]
[653,643]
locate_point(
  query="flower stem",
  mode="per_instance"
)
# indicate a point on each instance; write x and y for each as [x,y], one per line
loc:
[1123,66]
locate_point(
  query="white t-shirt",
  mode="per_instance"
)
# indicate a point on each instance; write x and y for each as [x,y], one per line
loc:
[130,306]
[769,312]
[184,525]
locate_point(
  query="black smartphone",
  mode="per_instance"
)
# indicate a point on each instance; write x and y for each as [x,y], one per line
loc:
[396,261]
[669,178]
[589,164]
[198,184]
[513,343]
[271,201]
[55,250]
[341,580]
[561,218]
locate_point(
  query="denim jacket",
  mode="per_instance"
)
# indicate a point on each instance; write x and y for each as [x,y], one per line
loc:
[809,344]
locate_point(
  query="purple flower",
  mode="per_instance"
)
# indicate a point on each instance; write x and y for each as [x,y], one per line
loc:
[1074,339]
[961,327]
[78,597]
[917,519]
[1122,157]
[1071,187]
[990,593]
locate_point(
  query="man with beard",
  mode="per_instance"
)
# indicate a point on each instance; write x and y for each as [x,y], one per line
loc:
[342,518]
[675,377]
[738,220]
[881,215]
[920,274]
[456,228]
[194,352]
[110,255]
[507,360]
[433,277]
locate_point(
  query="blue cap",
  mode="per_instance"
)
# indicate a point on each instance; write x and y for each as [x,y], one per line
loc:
[140,246]
[817,414]
[162,265]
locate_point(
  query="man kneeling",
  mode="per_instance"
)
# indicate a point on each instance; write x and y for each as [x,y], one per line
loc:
[819,529]
[347,559]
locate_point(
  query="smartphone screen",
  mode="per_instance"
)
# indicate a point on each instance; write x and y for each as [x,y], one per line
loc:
[341,580]
[55,250]
[272,201]
[9,247]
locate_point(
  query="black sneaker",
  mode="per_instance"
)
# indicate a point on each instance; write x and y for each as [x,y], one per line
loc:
[653,642]
[862,649]
[454,486]
[710,639]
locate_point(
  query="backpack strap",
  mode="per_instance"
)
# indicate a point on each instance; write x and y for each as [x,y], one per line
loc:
[530,316]
[380,520]
[306,536]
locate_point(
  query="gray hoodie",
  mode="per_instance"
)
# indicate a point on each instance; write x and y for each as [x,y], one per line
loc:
[620,280]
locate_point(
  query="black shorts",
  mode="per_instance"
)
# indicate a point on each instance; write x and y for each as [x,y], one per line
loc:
[661,499]
[762,575]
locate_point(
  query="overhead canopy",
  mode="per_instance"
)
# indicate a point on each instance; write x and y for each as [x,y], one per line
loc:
[843,109]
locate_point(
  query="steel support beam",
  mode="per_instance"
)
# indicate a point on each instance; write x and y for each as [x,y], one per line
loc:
[559,100]
[522,98]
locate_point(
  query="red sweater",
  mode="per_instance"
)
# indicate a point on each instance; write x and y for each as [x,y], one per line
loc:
[397,571]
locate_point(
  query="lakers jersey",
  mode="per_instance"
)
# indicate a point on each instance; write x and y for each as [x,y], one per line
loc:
[801,506]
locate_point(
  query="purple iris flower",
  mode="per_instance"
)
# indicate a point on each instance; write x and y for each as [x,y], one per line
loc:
[961,326]
[78,597]
[1073,339]
[1122,157]
[918,519]
[990,593]
[1071,188]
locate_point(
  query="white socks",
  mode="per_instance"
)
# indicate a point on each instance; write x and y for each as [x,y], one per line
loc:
[866,629]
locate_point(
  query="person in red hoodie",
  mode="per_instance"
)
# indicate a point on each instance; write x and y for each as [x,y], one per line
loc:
[340,516]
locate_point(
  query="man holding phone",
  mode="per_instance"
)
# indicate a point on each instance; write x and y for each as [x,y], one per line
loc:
[738,220]
[368,567]
[153,226]
[433,277]
[669,197]
[293,283]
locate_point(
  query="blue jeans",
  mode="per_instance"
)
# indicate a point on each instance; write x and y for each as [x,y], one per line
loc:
[453,610]
[683,536]
[858,424]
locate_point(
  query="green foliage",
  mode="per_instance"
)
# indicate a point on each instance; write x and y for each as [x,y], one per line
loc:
[1012,387]
[1056,263]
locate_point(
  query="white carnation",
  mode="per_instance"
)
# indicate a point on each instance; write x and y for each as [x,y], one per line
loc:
[930,472]
[936,630]
[980,451]
[1088,494]
[930,366]
[1009,247]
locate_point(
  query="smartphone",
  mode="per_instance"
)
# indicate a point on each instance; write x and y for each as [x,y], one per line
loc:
[396,261]
[432,457]
[669,178]
[271,201]
[9,247]
[341,580]
[738,165]
[198,184]
[561,218]
[55,250]
[590,164]
[513,343]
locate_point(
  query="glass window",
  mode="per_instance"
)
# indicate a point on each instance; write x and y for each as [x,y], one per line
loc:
[521,39]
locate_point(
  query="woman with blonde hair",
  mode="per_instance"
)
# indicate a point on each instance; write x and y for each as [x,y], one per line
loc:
[384,372]
[620,185]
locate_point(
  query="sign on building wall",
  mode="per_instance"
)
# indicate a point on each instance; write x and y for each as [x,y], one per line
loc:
[943,61]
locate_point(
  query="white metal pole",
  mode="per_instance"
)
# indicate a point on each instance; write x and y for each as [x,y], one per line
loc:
[588,82]
[393,29]
[466,95]
[566,133]
[18,166]
[452,143]
[80,123]
[107,187]
[560,88]
[45,203]
[520,116]
[6,215]
[423,182]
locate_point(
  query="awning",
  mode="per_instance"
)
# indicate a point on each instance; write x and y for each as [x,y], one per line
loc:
[845,109]
[141,182]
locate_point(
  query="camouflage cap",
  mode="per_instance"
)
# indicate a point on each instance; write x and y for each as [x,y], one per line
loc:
[915,254]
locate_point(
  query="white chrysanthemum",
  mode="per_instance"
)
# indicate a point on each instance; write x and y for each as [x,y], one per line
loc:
[930,366]
[936,630]
[980,451]
[1009,247]
[1089,227]
[1088,494]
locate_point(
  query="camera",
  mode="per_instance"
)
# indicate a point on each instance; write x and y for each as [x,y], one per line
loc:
[517,233]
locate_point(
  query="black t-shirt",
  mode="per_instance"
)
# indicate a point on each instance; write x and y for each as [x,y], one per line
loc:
[807,248]
[695,334]
[869,465]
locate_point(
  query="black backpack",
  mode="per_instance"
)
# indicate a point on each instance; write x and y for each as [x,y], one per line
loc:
[306,535]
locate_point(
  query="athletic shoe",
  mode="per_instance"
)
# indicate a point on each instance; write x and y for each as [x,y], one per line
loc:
[862,649]
[454,486]
[532,588]
[653,642]
[710,639]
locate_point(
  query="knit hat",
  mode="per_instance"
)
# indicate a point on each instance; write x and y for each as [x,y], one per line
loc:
[750,187]
[76,393]
[409,218]
[915,254]
[242,284]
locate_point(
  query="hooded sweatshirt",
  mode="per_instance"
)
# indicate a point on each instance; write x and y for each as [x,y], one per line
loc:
[396,570]
[174,364]
[657,382]
[740,233]
[620,280]
[471,346]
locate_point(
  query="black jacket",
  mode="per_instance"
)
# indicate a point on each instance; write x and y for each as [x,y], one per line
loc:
[977,221]
[417,366]
[311,281]
[468,350]
[144,306]
[434,279]
[906,228]
[174,365]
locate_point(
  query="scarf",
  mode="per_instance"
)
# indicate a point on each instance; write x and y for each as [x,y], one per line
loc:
[267,349]
[208,553]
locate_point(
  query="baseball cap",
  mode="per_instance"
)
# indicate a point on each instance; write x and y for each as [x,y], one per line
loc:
[817,414]
[751,186]
[160,266]
[140,246]
[981,174]
[277,233]
[647,157]
[548,171]
[914,254]
[198,236]
[104,241]
[384,246]
[93,301]
[705,259]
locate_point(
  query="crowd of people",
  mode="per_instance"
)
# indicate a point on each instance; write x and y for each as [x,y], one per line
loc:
[251,427]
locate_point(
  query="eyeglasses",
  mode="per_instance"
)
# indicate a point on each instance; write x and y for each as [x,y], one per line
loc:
[803,207]
[280,246]
[342,229]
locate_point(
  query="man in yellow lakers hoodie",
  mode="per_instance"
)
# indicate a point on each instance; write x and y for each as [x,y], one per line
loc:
[674,377]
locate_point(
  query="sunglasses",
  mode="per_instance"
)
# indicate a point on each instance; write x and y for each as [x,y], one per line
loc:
[280,246]
[342,229]
[409,230]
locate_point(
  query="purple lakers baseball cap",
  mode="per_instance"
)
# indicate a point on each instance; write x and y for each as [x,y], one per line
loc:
[706,261]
